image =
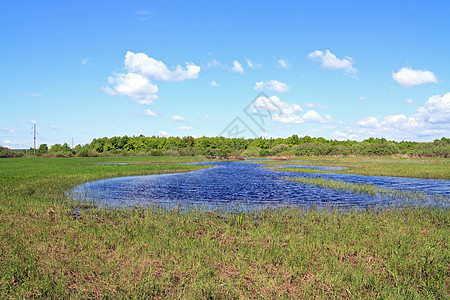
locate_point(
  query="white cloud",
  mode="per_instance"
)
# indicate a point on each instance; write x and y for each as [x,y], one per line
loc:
[409,101]
[150,113]
[408,77]
[274,104]
[84,60]
[283,63]
[178,118]
[163,133]
[55,127]
[135,86]
[237,67]
[282,112]
[330,61]
[313,116]
[184,127]
[214,84]
[34,122]
[150,67]
[369,122]
[7,130]
[430,121]
[252,65]
[437,110]
[272,85]
[339,135]
[288,119]
[361,98]
[206,118]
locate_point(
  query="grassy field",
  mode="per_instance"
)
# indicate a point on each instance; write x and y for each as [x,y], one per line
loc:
[396,166]
[45,251]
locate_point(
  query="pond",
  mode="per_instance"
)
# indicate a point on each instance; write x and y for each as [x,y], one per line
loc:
[240,185]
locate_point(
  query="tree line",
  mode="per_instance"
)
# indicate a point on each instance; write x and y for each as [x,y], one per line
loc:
[239,147]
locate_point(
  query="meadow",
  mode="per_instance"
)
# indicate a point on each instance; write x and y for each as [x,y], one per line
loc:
[49,250]
[396,166]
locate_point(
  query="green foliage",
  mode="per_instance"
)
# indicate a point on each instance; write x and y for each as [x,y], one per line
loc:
[8,153]
[224,147]
[43,149]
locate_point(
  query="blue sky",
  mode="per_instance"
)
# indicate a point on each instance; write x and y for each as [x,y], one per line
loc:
[333,69]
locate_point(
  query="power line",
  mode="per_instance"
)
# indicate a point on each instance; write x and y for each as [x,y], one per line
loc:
[34,138]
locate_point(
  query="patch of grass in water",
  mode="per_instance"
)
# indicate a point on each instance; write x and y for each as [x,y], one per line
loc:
[364,188]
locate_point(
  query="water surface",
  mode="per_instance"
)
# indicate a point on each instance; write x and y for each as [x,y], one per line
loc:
[244,185]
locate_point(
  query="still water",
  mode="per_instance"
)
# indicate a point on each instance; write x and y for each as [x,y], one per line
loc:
[240,185]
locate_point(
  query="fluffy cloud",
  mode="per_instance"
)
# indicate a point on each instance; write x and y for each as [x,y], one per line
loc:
[430,121]
[140,68]
[283,112]
[135,86]
[150,113]
[274,104]
[237,67]
[178,118]
[312,116]
[315,117]
[283,63]
[408,77]
[272,85]
[436,110]
[369,122]
[330,61]
[163,133]
[339,135]
[214,84]
[152,68]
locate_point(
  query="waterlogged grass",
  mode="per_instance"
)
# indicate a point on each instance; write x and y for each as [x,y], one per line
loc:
[395,166]
[364,188]
[45,251]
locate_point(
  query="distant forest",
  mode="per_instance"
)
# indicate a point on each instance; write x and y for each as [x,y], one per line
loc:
[237,147]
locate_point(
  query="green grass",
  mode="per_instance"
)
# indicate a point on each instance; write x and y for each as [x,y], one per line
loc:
[395,166]
[157,253]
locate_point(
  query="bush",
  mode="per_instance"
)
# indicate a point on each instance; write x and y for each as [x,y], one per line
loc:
[251,152]
[156,153]
[171,152]
[8,153]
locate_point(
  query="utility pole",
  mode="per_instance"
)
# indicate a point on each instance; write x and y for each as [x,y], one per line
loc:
[34,139]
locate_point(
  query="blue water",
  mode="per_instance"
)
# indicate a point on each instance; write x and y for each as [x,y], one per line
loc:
[246,186]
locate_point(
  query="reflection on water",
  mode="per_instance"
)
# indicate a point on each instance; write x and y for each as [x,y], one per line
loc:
[237,184]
